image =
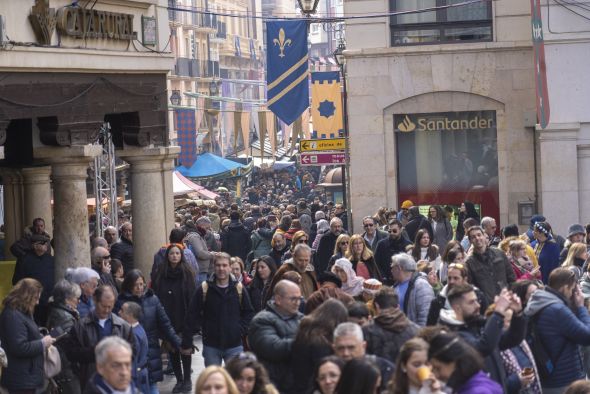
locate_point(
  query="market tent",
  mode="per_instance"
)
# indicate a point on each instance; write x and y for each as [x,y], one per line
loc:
[207,165]
[182,185]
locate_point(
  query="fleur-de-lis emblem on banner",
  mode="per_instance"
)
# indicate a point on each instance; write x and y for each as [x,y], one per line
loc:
[282,42]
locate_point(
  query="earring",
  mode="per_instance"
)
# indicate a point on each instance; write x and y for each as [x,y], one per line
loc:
[404,370]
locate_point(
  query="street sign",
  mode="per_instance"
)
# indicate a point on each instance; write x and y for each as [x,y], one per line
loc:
[322,159]
[322,144]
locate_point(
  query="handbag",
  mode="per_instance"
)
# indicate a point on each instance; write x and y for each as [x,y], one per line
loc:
[52,362]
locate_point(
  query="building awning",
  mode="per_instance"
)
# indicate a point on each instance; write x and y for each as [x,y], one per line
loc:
[182,185]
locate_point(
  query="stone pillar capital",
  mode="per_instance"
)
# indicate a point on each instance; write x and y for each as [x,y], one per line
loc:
[36,175]
[149,159]
[67,155]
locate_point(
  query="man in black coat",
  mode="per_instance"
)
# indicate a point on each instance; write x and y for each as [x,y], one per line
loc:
[123,249]
[327,244]
[417,222]
[38,264]
[235,240]
[80,343]
[389,247]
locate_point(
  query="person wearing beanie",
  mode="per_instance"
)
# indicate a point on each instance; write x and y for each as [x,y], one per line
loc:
[414,292]
[370,288]
[529,233]
[546,249]
[404,213]
[575,233]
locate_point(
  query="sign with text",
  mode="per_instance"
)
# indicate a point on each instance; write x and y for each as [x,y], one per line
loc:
[445,121]
[322,159]
[322,144]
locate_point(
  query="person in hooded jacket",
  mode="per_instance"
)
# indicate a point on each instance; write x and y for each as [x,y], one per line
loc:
[174,284]
[466,211]
[561,324]
[417,222]
[235,240]
[547,249]
[154,320]
[390,328]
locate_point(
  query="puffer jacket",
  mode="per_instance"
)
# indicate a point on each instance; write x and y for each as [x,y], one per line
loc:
[561,331]
[123,250]
[21,341]
[418,298]
[84,336]
[388,332]
[157,326]
[271,338]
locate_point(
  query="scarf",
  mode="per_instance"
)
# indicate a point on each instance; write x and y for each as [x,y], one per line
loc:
[392,320]
[512,367]
[354,284]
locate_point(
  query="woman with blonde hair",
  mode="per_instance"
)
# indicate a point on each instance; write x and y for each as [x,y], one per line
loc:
[362,258]
[340,248]
[300,237]
[215,379]
[522,266]
[24,345]
[576,258]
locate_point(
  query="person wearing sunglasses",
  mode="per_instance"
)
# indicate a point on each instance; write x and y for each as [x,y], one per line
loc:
[457,275]
[372,234]
[340,249]
[386,248]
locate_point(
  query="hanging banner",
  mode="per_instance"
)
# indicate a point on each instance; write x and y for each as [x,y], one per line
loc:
[186,134]
[287,69]
[305,125]
[262,131]
[326,105]
[543,110]
[245,118]
[272,133]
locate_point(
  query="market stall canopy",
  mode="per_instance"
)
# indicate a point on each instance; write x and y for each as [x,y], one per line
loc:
[182,185]
[208,165]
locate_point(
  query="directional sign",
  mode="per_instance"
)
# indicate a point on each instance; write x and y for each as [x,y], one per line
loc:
[322,159]
[322,144]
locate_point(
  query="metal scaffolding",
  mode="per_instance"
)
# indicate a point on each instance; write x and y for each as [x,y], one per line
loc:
[105,182]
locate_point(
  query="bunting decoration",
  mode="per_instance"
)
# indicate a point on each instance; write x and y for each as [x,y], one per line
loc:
[186,135]
[326,105]
[246,128]
[287,69]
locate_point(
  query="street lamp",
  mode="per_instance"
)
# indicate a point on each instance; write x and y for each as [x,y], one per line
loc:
[308,7]
[175,97]
[339,56]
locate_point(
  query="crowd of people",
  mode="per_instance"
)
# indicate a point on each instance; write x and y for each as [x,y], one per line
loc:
[288,300]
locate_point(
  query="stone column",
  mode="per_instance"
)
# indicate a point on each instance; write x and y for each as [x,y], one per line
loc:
[69,174]
[13,208]
[37,196]
[152,200]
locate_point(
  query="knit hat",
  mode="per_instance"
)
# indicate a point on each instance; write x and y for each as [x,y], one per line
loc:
[575,229]
[536,219]
[372,286]
[544,228]
[407,204]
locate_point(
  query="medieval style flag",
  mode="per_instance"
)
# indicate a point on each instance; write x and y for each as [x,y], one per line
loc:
[186,134]
[326,105]
[287,69]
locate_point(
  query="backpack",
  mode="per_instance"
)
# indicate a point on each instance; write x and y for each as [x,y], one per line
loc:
[239,288]
[545,365]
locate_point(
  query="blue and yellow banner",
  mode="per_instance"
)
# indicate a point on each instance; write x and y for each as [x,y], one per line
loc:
[326,105]
[287,69]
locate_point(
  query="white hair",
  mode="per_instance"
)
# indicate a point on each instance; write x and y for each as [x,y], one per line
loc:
[348,328]
[80,275]
[487,220]
[106,345]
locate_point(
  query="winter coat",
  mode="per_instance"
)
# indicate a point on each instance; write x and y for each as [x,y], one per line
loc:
[308,284]
[235,240]
[372,267]
[271,338]
[318,297]
[418,222]
[198,246]
[325,251]
[561,331]
[160,258]
[40,268]
[21,341]
[379,235]
[480,383]
[442,233]
[175,293]
[417,300]
[260,240]
[490,272]
[388,331]
[157,326]
[222,317]
[84,336]
[23,245]
[140,371]
[277,255]
[470,212]
[489,338]
[97,385]
[123,250]
[548,255]
[440,302]
[387,248]
[305,357]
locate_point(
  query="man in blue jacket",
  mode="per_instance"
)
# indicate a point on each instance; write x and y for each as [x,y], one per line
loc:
[562,325]
[221,310]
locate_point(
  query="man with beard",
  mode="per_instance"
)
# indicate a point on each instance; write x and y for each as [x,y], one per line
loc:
[457,275]
[279,248]
[326,246]
[387,248]
[486,336]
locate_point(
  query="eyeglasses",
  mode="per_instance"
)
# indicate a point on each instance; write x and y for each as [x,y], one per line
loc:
[456,265]
[368,225]
[302,241]
[344,243]
[394,231]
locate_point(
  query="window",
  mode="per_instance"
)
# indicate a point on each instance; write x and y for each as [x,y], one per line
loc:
[469,22]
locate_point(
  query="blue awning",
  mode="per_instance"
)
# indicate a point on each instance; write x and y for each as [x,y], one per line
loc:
[208,164]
